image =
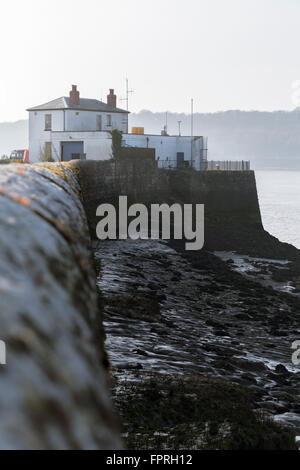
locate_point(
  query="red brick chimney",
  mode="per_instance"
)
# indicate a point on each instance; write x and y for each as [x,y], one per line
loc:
[74,95]
[112,98]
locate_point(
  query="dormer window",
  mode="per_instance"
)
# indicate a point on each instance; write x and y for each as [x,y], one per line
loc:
[108,120]
[48,122]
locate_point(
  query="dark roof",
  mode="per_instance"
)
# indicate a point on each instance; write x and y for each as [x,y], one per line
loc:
[85,105]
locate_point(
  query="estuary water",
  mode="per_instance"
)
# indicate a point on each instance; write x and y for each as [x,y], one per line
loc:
[279,199]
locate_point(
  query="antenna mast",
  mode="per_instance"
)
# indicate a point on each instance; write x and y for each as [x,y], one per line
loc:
[128,92]
[179,128]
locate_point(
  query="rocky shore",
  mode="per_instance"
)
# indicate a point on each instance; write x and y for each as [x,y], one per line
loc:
[201,322]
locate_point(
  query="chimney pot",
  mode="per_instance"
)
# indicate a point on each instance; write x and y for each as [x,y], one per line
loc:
[74,96]
[112,98]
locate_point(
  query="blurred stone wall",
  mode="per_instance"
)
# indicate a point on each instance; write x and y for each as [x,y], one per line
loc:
[53,388]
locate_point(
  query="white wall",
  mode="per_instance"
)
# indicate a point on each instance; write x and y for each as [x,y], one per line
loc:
[197,147]
[87,121]
[37,134]
[96,145]
[68,120]
[167,147]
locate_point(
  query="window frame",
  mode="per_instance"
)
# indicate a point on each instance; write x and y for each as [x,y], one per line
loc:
[48,125]
[108,120]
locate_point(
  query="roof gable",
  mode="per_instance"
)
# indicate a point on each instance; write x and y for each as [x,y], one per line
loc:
[86,104]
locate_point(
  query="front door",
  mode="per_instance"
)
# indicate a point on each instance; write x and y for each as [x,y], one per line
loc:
[71,151]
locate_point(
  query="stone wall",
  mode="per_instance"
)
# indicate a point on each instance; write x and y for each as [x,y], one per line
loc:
[53,389]
[230,198]
[232,213]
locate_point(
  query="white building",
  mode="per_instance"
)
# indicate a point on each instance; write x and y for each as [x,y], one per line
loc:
[172,151]
[72,127]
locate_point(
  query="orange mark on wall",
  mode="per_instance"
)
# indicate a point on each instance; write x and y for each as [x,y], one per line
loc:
[24,201]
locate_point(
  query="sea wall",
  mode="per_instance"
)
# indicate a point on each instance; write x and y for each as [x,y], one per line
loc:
[53,388]
[230,197]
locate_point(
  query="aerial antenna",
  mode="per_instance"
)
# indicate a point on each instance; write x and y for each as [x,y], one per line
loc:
[128,92]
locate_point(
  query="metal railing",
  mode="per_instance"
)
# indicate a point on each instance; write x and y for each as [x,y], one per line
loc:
[175,165]
[228,165]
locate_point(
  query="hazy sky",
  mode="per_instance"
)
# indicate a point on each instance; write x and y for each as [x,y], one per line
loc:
[227,54]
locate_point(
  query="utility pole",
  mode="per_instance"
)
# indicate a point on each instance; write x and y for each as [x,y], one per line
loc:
[192,117]
[179,131]
[165,130]
[192,130]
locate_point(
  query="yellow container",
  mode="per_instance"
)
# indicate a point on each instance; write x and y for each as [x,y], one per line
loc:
[138,130]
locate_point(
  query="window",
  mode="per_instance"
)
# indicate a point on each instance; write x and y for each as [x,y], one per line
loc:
[48,122]
[99,122]
[17,155]
[108,120]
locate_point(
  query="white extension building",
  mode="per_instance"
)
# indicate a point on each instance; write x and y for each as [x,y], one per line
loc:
[172,151]
[72,127]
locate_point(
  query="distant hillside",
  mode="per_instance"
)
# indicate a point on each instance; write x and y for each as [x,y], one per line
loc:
[13,135]
[268,139]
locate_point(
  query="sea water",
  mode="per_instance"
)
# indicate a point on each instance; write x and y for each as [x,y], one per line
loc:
[279,199]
